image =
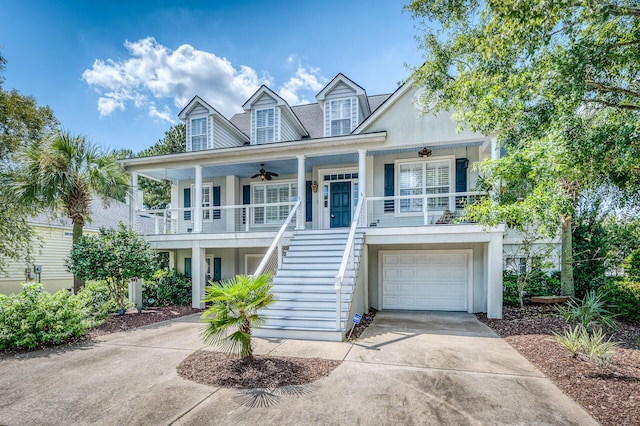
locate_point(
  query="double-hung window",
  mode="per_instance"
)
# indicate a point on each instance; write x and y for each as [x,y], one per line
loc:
[198,134]
[273,193]
[207,200]
[264,125]
[424,178]
[340,117]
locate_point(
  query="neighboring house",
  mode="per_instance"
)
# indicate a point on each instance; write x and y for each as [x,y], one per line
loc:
[55,239]
[380,182]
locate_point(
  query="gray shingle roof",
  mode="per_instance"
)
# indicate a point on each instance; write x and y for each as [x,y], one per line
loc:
[310,115]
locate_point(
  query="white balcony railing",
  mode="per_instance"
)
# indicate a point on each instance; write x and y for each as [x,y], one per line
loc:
[216,219]
[417,210]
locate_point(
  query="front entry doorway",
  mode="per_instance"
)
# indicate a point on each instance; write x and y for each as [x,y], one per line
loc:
[340,207]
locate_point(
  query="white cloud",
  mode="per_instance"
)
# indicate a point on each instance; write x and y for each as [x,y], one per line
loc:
[155,72]
[306,79]
[161,81]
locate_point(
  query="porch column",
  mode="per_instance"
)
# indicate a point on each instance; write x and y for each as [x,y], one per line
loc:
[362,178]
[231,199]
[197,207]
[198,274]
[495,149]
[302,215]
[133,199]
[494,276]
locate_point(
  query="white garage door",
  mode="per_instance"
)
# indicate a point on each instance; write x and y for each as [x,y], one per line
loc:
[425,280]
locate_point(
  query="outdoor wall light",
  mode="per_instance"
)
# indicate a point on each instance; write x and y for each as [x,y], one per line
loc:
[314,186]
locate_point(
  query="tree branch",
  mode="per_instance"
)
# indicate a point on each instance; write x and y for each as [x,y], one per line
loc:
[613,104]
[610,89]
[623,11]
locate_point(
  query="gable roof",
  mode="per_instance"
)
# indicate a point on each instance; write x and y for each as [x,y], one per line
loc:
[197,100]
[383,106]
[264,90]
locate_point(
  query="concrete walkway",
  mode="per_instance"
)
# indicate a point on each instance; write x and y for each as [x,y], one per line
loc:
[407,368]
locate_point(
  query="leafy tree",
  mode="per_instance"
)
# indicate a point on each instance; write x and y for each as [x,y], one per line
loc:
[157,195]
[22,121]
[233,312]
[115,256]
[557,83]
[64,172]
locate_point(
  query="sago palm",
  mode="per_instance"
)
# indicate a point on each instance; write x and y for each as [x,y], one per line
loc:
[234,311]
[64,173]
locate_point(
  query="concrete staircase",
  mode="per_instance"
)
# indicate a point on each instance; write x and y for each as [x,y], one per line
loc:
[304,287]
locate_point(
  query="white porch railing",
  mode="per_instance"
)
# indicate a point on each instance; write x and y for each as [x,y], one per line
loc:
[215,219]
[417,210]
[348,259]
[277,241]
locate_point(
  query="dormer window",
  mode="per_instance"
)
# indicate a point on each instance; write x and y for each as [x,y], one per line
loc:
[340,117]
[198,134]
[264,126]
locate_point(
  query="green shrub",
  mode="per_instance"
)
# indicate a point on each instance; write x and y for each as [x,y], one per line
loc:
[624,298]
[34,317]
[539,284]
[591,312]
[631,265]
[167,288]
[578,340]
[98,299]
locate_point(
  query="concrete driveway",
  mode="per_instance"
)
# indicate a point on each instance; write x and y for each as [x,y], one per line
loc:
[407,368]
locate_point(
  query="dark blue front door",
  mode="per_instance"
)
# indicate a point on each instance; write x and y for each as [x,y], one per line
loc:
[340,204]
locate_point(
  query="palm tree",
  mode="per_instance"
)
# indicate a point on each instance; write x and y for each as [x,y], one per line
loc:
[234,311]
[64,173]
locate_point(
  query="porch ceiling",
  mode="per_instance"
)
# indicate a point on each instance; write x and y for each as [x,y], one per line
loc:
[282,167]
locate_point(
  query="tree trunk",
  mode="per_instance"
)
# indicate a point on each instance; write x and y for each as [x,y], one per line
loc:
[566,275]
[77,233]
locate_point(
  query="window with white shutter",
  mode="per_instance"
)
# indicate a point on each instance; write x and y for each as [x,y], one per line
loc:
[264,126]
[198,134]
[340,117]
[425,177]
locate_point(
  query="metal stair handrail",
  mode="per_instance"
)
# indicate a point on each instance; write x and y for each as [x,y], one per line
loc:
[277,240]
[348,258]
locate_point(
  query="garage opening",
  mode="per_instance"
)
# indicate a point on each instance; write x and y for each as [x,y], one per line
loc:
[426,280]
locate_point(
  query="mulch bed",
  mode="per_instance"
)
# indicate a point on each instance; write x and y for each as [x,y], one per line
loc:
[132,319]
[610,394]
[218,369]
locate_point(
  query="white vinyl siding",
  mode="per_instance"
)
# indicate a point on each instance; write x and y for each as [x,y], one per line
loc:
[425,177]
[272,193]
[287,133]
[198,135]
[222,137]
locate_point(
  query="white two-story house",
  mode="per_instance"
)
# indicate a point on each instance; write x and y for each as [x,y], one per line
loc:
[351,202]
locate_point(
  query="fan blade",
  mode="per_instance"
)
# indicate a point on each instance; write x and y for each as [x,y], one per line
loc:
[273,174]
[268,176]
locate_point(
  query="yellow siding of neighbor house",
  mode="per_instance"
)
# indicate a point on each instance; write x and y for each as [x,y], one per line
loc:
[51,253]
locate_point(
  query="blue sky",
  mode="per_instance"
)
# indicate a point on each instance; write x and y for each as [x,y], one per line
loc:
[119,72]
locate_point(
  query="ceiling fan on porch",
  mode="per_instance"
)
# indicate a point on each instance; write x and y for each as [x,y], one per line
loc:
[263,174]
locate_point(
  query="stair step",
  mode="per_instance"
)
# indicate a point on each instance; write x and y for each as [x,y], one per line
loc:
[309,303]
[300,313]
[317,253]
[328,288]
[310,273]
[299,322]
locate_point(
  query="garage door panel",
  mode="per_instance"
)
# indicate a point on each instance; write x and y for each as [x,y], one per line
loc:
[425,281]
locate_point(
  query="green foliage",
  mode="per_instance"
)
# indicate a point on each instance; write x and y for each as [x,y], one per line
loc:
[34,317]
[624,298]
[592,312]
[97,297]
[590,245]
[115,256]
[578,340]
[539,284]
[623,237]
[233,312]
[632,265]
[167,288]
